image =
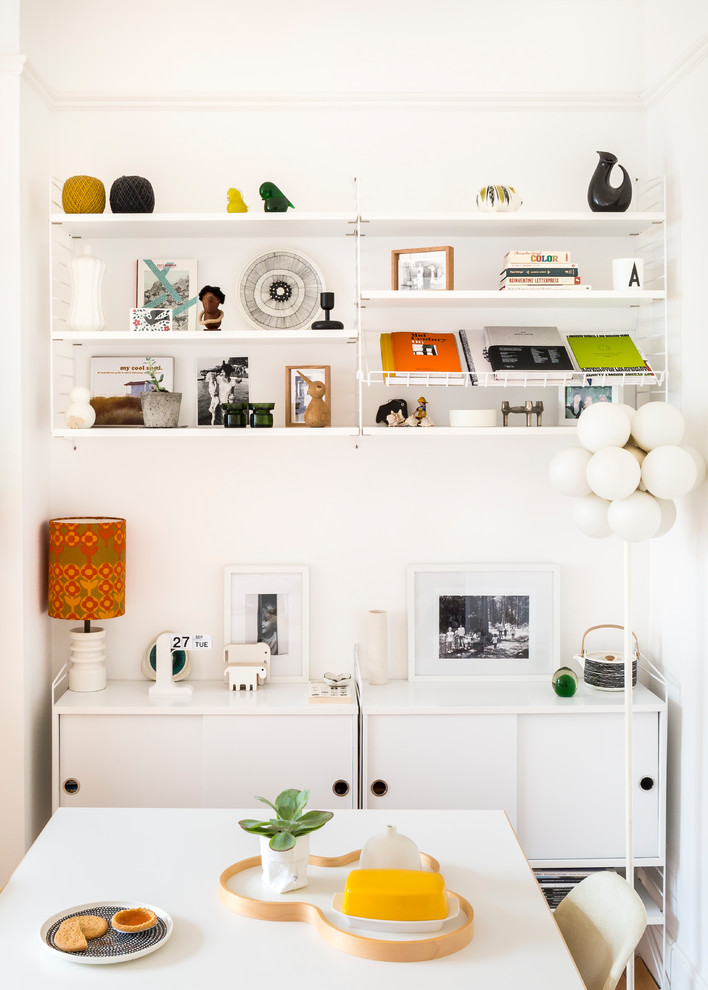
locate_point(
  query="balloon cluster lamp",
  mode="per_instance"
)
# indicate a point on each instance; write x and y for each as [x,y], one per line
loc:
[625,477]
[87,583]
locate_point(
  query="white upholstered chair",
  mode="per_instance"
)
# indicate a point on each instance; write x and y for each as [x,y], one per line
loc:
[601,921]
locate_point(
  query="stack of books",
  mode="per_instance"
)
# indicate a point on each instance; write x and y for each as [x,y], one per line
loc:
[539,270]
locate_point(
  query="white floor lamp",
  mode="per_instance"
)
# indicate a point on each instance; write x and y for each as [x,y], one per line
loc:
[625,476]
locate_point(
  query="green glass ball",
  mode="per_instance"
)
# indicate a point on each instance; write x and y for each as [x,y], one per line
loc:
[565,682]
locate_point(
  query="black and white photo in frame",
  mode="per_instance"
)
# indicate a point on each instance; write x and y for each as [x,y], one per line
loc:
[270,604]
[219,381]
[482,620]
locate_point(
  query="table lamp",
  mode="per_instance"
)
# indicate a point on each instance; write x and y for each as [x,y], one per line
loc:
[87,581]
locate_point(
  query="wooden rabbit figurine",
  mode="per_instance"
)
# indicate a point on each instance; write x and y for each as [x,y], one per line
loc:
[317,412]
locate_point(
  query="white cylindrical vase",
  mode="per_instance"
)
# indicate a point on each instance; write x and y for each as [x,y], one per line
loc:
[86,309]
[87,656]
[285,870]
[377,647]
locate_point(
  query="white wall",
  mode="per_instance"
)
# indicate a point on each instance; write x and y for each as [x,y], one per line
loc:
[679,578]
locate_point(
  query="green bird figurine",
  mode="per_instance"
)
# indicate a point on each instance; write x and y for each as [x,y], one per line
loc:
[273,200]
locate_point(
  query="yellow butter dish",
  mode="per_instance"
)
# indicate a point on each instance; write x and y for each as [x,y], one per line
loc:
[395,895]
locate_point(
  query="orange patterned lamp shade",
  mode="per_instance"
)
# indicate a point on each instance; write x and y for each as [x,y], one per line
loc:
[86,567]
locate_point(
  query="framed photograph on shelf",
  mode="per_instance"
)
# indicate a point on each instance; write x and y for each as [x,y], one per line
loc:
[417,269]
[482,620]
[219,380]
[270,604]
[297,397]
[574,398]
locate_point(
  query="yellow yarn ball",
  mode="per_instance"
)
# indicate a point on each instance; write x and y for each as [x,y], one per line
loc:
[83,194]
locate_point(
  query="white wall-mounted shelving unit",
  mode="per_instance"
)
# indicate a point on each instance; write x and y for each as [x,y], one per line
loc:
[359,271]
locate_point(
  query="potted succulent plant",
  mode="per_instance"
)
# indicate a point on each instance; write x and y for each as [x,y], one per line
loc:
[285,839]
[160,406]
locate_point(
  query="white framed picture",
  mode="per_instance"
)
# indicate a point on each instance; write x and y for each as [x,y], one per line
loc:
[482,620]
[572,399]
[270,604]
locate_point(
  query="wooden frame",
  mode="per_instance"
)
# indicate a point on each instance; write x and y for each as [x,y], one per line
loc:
[282,591]
[402,260]
[489,621]
[296,397]
[568,395]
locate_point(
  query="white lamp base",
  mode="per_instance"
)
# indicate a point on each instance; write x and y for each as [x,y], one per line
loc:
[87,655]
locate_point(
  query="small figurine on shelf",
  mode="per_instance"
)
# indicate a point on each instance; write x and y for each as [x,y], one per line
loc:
[327,304]
[393,413]
[420,416]
[274,201]
[80,414]
[235,202]
[211,297]
[317,413]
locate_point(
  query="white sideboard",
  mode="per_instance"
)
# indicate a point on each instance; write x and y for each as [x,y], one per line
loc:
[216,749]
[555,765]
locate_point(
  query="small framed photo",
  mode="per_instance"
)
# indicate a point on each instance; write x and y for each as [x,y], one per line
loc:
[270,604]
[297,397]
[574,398]
[417,269]
[487,621]
[220,380]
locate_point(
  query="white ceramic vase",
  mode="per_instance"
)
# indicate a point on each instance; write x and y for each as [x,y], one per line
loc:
[86,309]
[286,870]
[389,851]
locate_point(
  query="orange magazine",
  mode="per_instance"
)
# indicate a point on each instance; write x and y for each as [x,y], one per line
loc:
[425,352]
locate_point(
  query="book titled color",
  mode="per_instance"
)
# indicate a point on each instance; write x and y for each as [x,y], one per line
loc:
[536,258]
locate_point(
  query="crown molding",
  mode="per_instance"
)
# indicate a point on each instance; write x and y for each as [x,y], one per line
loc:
[12,65]
[578,101]
[676,73]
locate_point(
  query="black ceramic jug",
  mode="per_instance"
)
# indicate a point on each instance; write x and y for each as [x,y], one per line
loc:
[604,198]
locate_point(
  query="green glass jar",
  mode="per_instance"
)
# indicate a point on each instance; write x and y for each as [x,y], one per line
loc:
[235,414]
[565,682]
[261,414]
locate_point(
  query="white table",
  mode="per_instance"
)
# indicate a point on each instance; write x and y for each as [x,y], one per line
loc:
[173,858]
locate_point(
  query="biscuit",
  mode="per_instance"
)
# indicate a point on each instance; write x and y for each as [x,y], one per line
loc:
[72,933]
[69,937]
[134,920]
[92,925]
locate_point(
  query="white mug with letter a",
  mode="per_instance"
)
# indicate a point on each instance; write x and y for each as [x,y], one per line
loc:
[627,273]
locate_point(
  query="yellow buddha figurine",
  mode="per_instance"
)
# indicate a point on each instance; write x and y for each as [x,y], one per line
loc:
[235,203]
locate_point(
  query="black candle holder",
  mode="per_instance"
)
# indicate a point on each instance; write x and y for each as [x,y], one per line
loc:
[327,304]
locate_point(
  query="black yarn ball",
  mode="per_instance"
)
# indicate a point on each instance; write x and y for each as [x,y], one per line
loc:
[132,194]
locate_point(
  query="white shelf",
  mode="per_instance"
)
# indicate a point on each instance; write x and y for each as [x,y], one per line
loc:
[525,297]
[467,431]
[519,224]
[252,224]
[169,339]
[118,432]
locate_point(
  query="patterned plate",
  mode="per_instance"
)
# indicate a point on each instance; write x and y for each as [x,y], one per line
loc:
[280,290]
[114,946]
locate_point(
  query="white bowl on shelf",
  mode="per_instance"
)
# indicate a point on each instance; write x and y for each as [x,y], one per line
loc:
[473,417]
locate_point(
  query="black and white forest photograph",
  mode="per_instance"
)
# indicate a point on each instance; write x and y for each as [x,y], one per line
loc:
[492,627]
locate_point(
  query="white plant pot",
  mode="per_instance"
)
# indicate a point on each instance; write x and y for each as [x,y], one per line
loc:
[285,870]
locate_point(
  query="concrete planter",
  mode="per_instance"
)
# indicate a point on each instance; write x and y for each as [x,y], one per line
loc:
[161,409]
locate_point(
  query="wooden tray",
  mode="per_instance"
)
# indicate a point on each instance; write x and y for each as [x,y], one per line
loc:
[382,949]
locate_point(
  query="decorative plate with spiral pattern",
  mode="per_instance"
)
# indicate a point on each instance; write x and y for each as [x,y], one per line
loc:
[114,946]
[280,290]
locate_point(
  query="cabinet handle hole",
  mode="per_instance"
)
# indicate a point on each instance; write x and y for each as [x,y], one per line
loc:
[340,788]
[646,783]
[379,788]
[71,785]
